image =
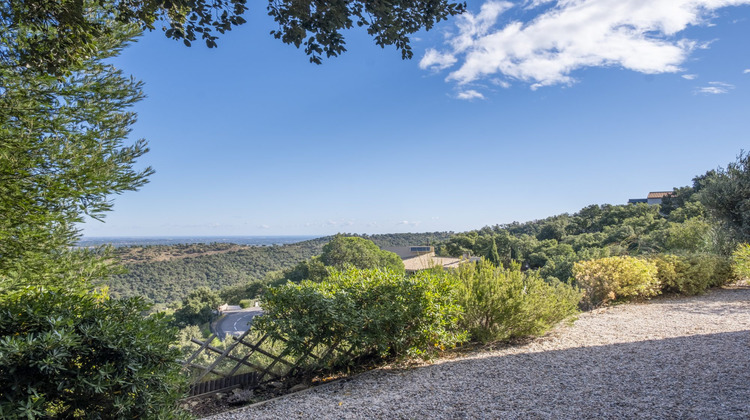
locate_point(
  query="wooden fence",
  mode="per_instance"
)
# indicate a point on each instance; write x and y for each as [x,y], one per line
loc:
[249,361]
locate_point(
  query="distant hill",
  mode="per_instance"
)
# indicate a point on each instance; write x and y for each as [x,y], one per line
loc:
[167,273]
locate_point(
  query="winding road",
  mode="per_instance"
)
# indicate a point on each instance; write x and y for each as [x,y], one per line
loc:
[236,322]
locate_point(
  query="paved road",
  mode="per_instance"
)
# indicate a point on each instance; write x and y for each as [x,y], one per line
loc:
[237,322]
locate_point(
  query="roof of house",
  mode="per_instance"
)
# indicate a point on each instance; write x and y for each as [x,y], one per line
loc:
[659,194]
[424,262]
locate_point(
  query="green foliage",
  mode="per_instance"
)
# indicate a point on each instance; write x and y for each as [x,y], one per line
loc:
[247,303]
[407,239]
[692,274]
[198,307]
[741,260]
[67,352]
[343,251]
[376,312]
[319,25]
[51,36]
[622,277]
[726,195]
[62,154]
[690,235]
[312,269]
[503,303]
[82,355]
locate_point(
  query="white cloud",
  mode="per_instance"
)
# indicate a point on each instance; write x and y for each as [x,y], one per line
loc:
[502,83]
[639,35]
[469,95]
[689,76]
[436,61]
[530,4]
[715,88]
[407,223]
[746,71]
[264,227]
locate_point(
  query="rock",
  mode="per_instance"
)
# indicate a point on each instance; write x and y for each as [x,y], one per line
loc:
[240,396]
[275,385]
[298,387]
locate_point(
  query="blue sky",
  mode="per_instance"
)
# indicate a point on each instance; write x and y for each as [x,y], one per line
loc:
[514,112]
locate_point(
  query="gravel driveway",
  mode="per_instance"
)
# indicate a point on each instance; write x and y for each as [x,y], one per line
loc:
[669,358]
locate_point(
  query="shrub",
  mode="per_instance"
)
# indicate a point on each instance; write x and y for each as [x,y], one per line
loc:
[247,303]
[741,260]
[343,251]
[375,312]
[81,355]
[692,274]
[611,278]
[503,303]
[198,307]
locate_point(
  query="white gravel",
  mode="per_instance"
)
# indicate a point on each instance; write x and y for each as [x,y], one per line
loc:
[667,358]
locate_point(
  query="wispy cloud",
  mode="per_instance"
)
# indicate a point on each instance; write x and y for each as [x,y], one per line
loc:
[502,83]
[339,223]
[407,223]
[715,88]
[569,35]
[746,71]
[264,227]
[689,76]
[436,60]
[469,95]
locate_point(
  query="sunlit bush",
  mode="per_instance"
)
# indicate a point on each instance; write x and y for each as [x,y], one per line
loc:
[502,303]
[741,259]
[607,279]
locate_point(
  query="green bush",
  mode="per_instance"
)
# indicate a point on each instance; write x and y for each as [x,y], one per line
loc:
[611,278]
[692,274]
[503,303]
[374,312]
[741,260]
[343,251]
[86,356]
[247,303]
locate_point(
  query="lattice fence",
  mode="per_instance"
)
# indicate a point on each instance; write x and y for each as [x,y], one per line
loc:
[250,361]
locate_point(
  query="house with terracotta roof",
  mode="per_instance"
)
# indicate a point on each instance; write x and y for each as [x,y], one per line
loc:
[654,197]
[417,258]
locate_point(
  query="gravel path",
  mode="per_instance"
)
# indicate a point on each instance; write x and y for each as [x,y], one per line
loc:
[668,358]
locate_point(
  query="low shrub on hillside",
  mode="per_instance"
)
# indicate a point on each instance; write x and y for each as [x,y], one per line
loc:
[373,312]
[86,356]
[503,303]
[741,260]
[607,279]
[692,274]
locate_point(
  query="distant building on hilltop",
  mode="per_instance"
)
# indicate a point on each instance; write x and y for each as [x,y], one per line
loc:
[656,196]
[653,197]
[417,258]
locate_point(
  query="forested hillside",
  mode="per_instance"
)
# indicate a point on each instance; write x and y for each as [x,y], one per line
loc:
[167,273]
[680,225]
